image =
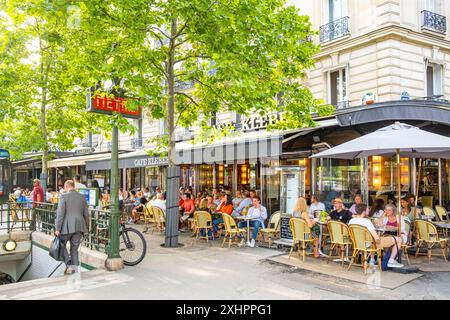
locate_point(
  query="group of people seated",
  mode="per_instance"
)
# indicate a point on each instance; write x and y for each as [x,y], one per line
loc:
[244,203]
[383,215]
[132,202]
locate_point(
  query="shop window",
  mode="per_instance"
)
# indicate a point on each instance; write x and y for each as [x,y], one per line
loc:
[338,178]
[382,174]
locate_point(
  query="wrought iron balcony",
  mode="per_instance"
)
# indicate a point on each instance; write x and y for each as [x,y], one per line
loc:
[434,22]
[335,30]
[137,143]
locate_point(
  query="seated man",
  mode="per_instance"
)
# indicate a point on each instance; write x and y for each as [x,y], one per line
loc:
[188,209]
[381,242]
[246,202]
[340,214]
[159,202]
[258,215]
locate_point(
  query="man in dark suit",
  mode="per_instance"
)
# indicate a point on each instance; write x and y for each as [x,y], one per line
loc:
[72,221]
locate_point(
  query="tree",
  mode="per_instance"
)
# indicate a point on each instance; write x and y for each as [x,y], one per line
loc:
[43,92]
[245,56]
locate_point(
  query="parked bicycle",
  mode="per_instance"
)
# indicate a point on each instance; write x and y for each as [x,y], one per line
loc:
[133,247]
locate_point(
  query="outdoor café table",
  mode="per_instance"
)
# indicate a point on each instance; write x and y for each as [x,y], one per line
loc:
[321,224]
[244,218]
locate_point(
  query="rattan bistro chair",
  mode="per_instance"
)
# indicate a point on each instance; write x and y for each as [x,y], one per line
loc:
[429,212]
[159,218]
[273,229]
[363,242]
[147,213]
[340,238]
[408,244]
[427,234]
[203,221]
[231,230]
[301,235]
[441,214]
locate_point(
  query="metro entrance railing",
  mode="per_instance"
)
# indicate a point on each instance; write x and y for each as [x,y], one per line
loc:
[42,218]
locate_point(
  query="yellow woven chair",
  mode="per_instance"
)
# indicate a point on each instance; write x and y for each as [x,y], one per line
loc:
[203,221]
[301,234]
[429,212]
[441,214]
[340,238]
[148,217]
[363,242]
[231,230]
[273,229]
[427,201]
[427,234]
[159,218]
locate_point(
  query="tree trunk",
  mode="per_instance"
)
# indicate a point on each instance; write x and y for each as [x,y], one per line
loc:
[171,233]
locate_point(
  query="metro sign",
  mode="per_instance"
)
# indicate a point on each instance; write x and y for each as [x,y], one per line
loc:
[107,105]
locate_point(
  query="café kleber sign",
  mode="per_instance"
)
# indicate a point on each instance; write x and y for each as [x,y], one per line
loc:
[150,162]
[257,122]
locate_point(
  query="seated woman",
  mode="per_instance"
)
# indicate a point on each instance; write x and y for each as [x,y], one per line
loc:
[407,210]
[136,212]
[301,211]
[377,209]
[390,220]
[226,206]
[387,242]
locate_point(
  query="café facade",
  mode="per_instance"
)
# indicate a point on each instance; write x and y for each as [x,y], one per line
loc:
[277,164]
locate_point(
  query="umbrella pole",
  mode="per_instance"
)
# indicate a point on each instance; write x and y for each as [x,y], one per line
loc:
[417,188]
[399,193]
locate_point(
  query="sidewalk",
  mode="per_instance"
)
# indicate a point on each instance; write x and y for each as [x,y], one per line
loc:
[207,271]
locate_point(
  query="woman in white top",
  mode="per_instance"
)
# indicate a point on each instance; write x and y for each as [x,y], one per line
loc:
[316,205]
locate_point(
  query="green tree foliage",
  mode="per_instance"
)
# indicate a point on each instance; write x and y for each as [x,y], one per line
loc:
[43,94]
[244,56]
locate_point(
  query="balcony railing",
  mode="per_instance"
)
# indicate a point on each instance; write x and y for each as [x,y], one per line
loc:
[137,143]
[334,30]
[434,22]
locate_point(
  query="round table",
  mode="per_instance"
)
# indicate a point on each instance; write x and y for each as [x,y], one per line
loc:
[244,218]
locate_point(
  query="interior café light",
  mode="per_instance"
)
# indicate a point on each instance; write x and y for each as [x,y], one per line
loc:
[302,162]
[9,245]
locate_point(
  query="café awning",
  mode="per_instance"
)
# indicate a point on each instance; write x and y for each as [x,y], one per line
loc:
[135,159]
[77,161]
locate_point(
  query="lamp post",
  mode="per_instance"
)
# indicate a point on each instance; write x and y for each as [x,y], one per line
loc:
[114,262]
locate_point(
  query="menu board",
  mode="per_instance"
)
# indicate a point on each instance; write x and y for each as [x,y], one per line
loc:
[286,233]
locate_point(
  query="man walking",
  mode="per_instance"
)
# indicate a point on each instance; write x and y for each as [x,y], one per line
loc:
[71,223]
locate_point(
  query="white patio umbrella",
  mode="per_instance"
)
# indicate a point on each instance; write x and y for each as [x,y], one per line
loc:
[398,140]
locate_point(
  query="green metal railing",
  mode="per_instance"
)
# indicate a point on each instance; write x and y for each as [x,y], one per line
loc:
[97,238]
[14,216]
[17,216]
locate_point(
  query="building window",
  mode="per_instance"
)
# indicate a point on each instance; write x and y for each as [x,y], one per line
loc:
[213,119]
[434,81]
[137,140]
[432,19]
[162,127]
[336,21]
[337,87]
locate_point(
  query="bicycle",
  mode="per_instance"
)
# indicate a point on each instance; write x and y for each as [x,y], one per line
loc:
[132,247]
